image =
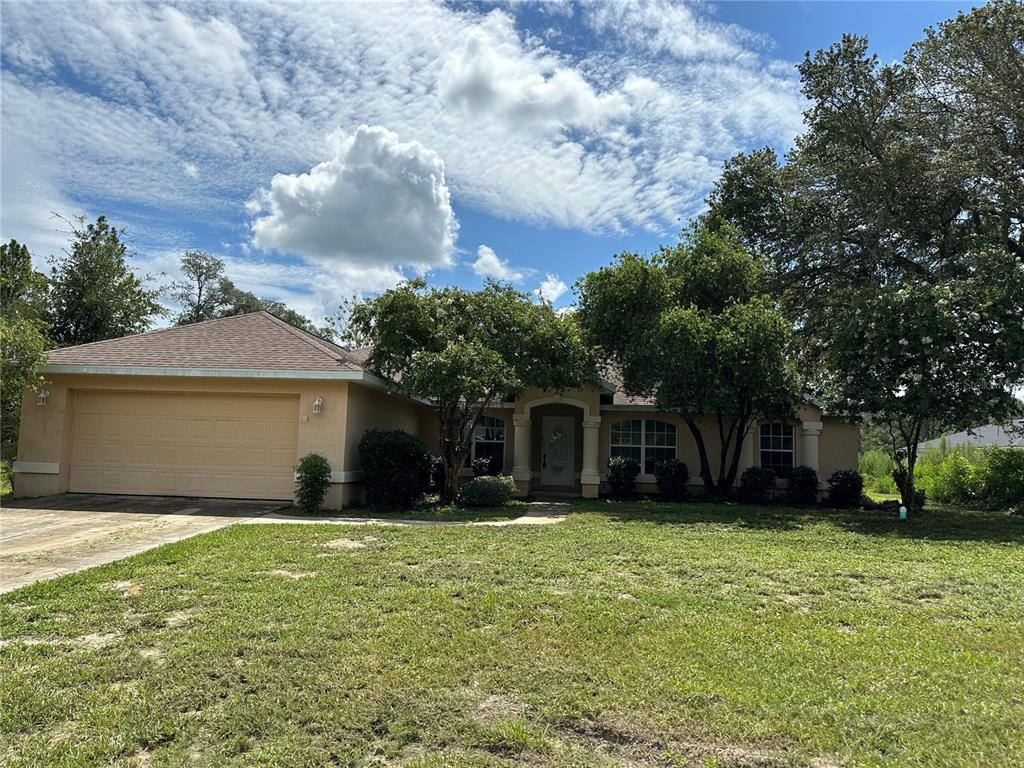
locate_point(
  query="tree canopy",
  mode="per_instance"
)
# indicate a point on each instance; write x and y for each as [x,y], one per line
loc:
[693,327]
[93,293]
[23,339]
[907,187]
[465,351]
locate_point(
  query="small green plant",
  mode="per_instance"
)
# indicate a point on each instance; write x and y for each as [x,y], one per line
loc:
[803,486]
[396,468]
[845,487]
[312,479]
[756,485]
[672,476]
[518,736]
[488,491]
[622,474]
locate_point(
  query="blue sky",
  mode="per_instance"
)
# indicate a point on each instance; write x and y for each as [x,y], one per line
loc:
[330,149]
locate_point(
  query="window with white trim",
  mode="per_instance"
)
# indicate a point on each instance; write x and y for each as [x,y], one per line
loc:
[777,448]
[646,440]
[489,441]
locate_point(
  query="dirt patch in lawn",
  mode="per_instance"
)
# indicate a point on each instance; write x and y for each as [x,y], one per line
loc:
[286,574]
[497,706]
[349,544]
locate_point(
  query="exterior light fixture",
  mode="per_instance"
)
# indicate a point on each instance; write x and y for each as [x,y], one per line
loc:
[41,396]
[318,405]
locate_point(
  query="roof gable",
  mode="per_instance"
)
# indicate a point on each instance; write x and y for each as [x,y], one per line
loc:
[256,341]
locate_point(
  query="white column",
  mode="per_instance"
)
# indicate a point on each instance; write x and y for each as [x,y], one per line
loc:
[811,431]
[590,477]
[521,458]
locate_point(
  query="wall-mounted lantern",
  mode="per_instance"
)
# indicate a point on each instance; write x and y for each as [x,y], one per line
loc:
[318,405]
[41,396]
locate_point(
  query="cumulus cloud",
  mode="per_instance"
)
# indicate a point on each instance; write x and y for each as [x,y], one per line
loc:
[551,290]
[492,74]
[488,264]
[376,201]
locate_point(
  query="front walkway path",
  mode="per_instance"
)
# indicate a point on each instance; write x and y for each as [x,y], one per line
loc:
[539,513]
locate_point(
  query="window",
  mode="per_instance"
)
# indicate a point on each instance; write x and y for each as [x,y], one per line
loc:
[489,441]
[646,440]
[777,448]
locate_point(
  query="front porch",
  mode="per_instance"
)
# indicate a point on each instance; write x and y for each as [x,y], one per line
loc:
[556,443]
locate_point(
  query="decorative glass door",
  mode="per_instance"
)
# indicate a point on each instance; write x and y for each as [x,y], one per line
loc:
[558,451]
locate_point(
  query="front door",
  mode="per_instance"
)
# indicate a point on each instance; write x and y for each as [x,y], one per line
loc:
[558,452]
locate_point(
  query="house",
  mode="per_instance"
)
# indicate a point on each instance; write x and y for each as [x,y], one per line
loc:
[1010,435]
[225,408]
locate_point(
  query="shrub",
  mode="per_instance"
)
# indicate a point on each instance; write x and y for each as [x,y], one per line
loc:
[950,477]
[312,479]
[803,486]
[1001,477]
[484,466]
[488,491]
[622,474]
[396,468]
[845,487]
[756,485]
[672,476]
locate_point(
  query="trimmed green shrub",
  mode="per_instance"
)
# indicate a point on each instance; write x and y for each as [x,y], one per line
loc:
[672,476]
[844,488]
[756,485]
[312,479]
[396,468]
[803,486]
[488,491]
[485,466]
[622,474]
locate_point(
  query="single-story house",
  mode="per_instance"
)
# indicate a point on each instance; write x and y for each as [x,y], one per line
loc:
[226,407]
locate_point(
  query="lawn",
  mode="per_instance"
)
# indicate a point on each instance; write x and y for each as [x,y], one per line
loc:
[631,634]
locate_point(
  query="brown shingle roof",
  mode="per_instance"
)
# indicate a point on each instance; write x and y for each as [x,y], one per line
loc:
[257,341]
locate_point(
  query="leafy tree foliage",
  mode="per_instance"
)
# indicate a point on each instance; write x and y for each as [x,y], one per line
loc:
[22,337]
[206,293]
[93,294]
[693,327]
[943,351]
[907,185]
[202,291]
[466,351]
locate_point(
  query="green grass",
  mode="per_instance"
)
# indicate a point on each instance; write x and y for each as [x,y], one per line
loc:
[638,634]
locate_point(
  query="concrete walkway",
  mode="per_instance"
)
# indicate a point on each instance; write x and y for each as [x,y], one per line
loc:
[538,513]
[56,535]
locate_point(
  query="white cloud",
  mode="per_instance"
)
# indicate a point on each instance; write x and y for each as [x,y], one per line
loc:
[375,201]
[191,170]
[488,264]
[551,289]
[626,135]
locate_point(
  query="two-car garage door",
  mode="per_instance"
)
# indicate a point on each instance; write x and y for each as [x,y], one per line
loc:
[196,444]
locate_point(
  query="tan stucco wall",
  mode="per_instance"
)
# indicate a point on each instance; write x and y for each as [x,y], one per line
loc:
[840,447]
[45,435]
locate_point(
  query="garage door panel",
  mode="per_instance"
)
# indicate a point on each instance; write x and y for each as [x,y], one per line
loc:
[234,446]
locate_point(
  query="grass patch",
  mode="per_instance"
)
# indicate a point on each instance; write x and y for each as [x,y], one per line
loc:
[633,633]
[430,510]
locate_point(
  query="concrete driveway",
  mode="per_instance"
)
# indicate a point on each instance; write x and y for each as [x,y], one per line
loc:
[52,536]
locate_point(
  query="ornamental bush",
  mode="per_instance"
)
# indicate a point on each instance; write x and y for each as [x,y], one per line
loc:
[484,466]
[396,468]
[803,486]
[844,488]
[756,485]
[312,479]
[622,474]
[672,476]
[488,491]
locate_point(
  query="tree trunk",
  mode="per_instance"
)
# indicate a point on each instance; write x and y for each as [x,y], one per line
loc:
[702,453]
[903,474]
[740,425]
